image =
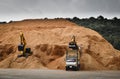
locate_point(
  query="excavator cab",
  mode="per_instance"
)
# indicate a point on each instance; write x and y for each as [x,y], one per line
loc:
[73,44]
[20,47]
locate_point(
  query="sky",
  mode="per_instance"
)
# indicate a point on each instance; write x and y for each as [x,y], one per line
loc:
[32,9]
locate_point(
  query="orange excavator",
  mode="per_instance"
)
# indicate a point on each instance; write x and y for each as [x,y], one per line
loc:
[24,52]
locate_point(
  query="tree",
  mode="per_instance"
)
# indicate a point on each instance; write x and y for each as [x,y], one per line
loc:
[3,22]
[76,18]
[115,18]
[100,17]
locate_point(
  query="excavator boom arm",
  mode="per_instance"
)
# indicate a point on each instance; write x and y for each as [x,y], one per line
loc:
[22,39]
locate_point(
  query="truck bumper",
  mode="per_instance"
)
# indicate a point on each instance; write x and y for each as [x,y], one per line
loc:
[70,67]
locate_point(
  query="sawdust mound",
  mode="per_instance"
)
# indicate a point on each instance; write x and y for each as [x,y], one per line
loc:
[5,51]
[48,40]
[42,56]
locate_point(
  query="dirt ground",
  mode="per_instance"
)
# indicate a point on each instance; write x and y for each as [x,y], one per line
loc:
[48,40]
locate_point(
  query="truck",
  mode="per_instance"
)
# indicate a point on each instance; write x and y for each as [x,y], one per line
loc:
[72,56]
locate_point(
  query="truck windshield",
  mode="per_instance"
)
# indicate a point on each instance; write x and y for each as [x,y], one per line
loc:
[72,53]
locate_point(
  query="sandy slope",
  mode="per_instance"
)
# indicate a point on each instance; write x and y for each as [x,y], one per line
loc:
[49,39]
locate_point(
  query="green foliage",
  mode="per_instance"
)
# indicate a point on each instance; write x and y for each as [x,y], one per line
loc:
[3,22]
[108,28]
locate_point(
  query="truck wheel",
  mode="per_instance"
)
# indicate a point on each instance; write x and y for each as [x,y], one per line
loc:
[76,69]
[79,67]
[66,69]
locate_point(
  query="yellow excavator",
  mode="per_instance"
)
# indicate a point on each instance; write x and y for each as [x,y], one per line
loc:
[24,52]
[73,43]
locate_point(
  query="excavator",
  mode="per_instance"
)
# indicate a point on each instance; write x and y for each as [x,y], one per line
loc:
[72,56]
[73,43]
[24,52]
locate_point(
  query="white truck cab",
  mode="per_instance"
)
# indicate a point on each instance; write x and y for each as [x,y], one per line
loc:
[72,60]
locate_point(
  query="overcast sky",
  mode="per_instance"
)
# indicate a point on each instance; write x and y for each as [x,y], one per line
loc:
[23,9]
